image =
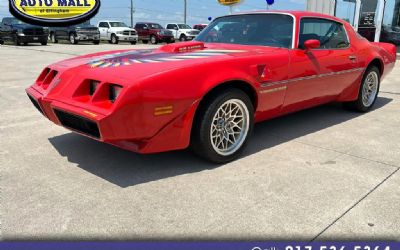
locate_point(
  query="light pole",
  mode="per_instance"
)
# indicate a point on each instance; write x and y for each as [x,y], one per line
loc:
[132,11]
[185,11]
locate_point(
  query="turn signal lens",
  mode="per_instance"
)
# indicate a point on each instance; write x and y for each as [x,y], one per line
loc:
[93,87]
[115,91]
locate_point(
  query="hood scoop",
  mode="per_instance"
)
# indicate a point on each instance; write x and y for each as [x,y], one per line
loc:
[182,47]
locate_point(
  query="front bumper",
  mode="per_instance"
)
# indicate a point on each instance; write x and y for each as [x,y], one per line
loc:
[162,38]
[114,130]
[127,38]
[32,39]
[88,37]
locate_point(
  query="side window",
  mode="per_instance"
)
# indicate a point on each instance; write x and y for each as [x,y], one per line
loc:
[104,25]
[170,26]
[331,34]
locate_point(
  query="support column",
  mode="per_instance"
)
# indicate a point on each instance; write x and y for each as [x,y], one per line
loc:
[379,19]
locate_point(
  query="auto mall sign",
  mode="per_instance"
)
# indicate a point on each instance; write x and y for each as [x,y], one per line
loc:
[229,2]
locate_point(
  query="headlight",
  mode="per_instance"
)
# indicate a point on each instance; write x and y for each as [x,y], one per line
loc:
[120,32]
[93,87]
[20,32]
[115,91]
[158,33]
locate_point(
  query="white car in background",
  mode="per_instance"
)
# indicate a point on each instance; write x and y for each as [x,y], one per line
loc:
[115,31]
[182,32]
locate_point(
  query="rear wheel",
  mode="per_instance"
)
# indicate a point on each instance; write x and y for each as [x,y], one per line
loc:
[222,126]
[368,92]
[72,39]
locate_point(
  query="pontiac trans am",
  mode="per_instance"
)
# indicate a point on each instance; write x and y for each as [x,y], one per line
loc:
[208,93]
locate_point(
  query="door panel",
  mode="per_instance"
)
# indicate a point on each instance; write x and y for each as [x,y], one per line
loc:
[318,76]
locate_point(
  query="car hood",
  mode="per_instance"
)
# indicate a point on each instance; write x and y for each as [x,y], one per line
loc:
[121,28]
[134,65]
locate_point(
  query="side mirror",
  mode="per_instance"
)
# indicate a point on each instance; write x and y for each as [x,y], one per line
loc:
[312,44]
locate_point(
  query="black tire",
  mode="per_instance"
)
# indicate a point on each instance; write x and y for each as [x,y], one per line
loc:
[44,43]
[25,44]
[114,39]
[182,38]
[72,39]
[53,38]
[153,39]
[16,41]
[145,41]
[359,105]
[96,42]
[1,42]
[201,142]
[133,43]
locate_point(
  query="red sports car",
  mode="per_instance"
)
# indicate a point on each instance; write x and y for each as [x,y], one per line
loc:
[260,65]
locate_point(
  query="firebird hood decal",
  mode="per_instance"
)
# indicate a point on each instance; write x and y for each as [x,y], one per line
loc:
[148,56]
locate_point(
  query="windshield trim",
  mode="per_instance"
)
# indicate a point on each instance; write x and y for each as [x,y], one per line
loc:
[268,12]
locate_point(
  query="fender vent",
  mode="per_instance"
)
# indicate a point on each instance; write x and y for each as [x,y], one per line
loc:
[77,123]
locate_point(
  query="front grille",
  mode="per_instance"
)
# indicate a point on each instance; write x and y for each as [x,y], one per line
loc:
[129,33]
[36,104]
[33,32]
[78,123]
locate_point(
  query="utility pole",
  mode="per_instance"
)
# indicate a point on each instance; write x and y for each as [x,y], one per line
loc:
[132,11]
[185,11]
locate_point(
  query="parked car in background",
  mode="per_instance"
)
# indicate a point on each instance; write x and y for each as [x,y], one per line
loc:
[18,32]
[115,32]
[182,32]
[199,26]
[76,33]
[391,34]
[154,33]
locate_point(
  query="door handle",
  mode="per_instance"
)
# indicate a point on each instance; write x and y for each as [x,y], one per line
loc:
[352,58]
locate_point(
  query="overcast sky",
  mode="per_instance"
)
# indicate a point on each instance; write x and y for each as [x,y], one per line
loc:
[165,11]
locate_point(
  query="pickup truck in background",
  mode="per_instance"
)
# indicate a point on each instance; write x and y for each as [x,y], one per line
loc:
[18,32]
[76,33]
[154,33]
[115,32]
[182,32]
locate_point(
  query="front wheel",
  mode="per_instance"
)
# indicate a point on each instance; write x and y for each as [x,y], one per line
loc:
[96,42]
[72,39]
[222,126]
[368,92]
[153,40]
[182,38]
[114,39]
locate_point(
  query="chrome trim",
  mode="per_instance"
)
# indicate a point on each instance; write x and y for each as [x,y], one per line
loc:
[273,90]
[265,85]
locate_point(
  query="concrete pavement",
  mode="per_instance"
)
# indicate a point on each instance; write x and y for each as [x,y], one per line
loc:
[320,174]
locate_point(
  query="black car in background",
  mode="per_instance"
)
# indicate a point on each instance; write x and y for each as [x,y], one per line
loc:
[76,33]
[18,32]
[391,34]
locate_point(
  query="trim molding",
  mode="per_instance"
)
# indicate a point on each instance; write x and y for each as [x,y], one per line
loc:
[265,85]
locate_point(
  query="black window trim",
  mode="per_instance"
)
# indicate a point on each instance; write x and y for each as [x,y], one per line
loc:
[327,19]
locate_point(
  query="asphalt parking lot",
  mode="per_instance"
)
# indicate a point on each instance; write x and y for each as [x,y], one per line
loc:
[322,174]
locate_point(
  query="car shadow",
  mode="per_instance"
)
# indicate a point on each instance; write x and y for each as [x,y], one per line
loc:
[126,169]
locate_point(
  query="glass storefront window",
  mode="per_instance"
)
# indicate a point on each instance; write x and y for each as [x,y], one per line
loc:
[391,22]
[346,9]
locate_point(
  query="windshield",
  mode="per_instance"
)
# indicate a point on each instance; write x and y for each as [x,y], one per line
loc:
[155,26]
[15,21]
[184,26]
[118,24]
[274,30]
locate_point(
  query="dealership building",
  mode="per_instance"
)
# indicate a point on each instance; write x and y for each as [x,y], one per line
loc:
[377,20]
